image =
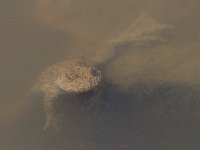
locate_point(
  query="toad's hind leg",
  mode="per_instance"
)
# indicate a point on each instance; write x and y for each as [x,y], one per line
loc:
[50,111]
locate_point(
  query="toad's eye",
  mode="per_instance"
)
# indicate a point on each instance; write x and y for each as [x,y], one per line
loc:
[94,72]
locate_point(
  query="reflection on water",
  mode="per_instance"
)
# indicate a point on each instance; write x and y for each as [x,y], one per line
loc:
[151,95]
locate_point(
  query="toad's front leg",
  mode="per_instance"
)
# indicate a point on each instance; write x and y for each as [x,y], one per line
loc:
[49,99]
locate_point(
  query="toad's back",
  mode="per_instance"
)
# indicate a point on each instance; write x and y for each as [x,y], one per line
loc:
[71,76]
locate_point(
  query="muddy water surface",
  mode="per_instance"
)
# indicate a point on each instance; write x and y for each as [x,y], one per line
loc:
[151,95]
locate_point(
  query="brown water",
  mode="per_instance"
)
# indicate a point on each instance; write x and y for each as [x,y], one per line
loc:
[151,96]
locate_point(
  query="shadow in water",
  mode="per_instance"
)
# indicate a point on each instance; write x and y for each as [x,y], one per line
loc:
[145,116]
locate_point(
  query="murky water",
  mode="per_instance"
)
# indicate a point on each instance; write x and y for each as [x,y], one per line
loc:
[150,99]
